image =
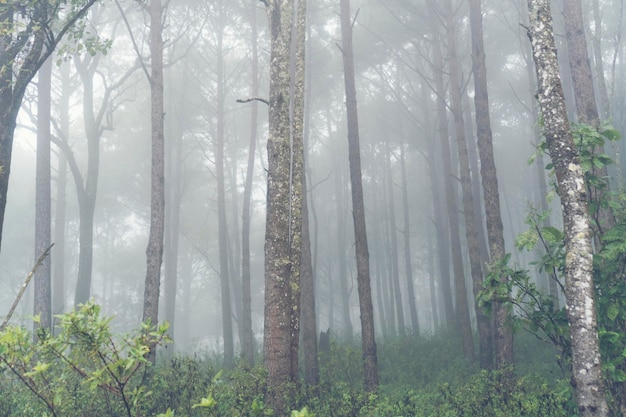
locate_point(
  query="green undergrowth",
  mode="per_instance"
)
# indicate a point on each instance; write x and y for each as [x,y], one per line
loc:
[86,371]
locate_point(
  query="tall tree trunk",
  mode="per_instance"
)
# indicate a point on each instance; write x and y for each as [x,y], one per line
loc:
[451,221]
[284,200]
[342,273]
[87,189]
[495,233]
[599,62]
[309,323]
[58,291]
[227,324]
[43,302]
[247,342]
[358,209]
[393,238]
[172,246]
[154,251]
[586,106]
[581,312]
[471,230]
[436,184]
[406,234]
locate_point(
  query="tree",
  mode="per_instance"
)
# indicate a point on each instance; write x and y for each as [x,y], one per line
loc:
[247,342]
[227,324]
[585,98]
[579,290]
[491,196]
[43,302]
[368,339]
[154,251]
[284,199]
[32,34]
[471,231]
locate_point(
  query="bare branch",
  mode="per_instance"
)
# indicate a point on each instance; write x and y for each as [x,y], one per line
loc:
[43,256]
[248,100]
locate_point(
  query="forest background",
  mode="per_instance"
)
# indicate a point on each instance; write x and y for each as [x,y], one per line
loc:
[218,53]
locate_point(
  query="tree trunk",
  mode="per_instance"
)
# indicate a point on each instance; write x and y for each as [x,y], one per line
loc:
[58,291]
[154,251]
[342,274]
[451,214]
[284,200]
[586,106]
[227,324]
[581,313]
[471,231]
[358,209]
[87,189]
[309,323]
[393,240]
[43,302]
[495,234]
[406,234]
[247,342]
[439,205]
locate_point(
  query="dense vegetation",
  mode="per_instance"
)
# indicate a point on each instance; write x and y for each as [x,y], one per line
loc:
[87,371]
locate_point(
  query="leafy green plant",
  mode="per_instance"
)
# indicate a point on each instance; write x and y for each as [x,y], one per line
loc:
[57,369]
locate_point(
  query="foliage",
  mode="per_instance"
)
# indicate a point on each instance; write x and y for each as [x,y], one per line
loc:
[420,376]
[82,369]
[537,312]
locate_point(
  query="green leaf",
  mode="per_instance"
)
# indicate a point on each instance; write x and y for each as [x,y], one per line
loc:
[612,312]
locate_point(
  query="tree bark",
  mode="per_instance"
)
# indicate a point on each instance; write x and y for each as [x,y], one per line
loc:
[368,338]
[585,98]
[393,243]
[247,342]
[154,251]
[450,216]
[406,234]
[581,312]
[488,174]
[309,322]
[227,324]
[43,302]
[284,200]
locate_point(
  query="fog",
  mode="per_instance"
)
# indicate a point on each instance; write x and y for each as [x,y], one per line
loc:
[393,54]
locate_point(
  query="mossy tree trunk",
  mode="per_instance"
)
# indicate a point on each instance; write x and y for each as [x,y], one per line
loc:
[284,200]
[579,290]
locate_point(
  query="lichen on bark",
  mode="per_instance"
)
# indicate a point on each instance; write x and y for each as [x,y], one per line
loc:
[579,294]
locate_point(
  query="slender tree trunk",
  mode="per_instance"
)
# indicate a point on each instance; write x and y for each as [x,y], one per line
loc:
[87,189]
[58,292]
[439,204]
[585,98]
[581,312]
[599,62]
[247,343]
[342,274]
[43,302]
[172,246]
[471,230]
[393,247]
[358,209]
[227,325]
[154,251]
[451,221]
[495,233]
[406,234]
[309,323]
